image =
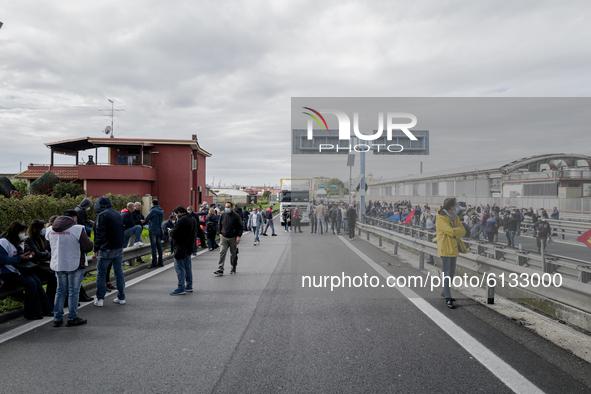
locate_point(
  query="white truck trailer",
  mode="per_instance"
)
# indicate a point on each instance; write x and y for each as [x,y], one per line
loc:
[295,193]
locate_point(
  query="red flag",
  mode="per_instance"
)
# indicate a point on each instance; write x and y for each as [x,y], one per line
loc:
[409,216]
[585,238]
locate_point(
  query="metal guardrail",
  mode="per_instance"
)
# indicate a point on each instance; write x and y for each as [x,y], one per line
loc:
[572,268]
[567,230]
[129,254]
[571,292]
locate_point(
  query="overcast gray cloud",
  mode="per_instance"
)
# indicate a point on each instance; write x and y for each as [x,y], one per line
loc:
[226,71]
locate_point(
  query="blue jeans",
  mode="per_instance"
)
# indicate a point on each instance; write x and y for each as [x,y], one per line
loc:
[256,233]
[106,257]
[287,226]
[512,238]
[211,240]
[68,283]
[36,301]
[449,270]
[137,230]
[184,272]
[269,223]
[339,222]
[156,244]
[320,226]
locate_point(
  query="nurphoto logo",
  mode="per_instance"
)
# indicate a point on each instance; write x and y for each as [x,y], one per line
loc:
[345,129]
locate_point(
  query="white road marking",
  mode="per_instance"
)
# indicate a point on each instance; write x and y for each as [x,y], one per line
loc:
[503,371]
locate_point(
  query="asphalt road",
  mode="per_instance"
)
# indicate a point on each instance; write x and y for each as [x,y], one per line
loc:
[260,331]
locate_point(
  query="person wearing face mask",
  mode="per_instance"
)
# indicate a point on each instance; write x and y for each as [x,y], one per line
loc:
[449,231]
[231,228]
[35,242]
[167,226]
[37,304]
[81,210]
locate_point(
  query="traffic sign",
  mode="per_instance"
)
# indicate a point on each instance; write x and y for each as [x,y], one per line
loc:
[334,186]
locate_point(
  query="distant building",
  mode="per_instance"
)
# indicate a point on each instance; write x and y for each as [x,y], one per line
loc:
[171,170]
[562,180]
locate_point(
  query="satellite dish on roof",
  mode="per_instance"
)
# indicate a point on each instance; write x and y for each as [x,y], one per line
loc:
[107,129]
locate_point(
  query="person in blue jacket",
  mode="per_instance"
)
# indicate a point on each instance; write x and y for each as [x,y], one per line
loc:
[154,220]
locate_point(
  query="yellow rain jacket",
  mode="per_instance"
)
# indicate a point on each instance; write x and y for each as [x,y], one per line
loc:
[448,235]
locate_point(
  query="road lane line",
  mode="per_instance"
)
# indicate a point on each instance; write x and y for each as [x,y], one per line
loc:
[503,371]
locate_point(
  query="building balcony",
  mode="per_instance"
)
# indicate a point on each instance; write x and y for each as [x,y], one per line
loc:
[92,172]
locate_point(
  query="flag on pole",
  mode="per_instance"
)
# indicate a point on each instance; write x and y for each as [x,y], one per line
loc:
[585,238]
[408,217]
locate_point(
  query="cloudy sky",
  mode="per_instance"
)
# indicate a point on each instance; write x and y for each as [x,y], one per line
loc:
[227,71]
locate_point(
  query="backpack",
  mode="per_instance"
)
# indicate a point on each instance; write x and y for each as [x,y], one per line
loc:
[210,226]
[333,213]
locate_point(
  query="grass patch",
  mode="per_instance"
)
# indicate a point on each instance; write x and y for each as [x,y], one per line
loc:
[9,304]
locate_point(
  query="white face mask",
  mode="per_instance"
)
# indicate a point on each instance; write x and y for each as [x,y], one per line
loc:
[22,236]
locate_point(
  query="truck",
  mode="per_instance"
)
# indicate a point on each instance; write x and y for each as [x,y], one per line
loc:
[296,192]
[321,196]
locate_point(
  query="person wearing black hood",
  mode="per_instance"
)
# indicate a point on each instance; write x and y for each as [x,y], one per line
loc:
[81,215]
[108,248]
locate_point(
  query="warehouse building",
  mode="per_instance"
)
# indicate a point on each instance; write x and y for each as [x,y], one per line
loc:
[562,180]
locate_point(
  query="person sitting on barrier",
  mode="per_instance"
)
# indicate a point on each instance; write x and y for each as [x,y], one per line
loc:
[449,231]
[69,245]
[35,242]
[129,226]
[16,268]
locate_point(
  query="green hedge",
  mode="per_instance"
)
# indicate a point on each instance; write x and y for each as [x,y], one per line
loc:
[43,207]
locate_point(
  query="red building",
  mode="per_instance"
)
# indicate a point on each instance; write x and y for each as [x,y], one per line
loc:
[171,170]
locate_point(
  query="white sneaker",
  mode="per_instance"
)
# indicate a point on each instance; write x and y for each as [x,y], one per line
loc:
[118,301]
[255,244]
[285,230]
[138,244]
[98,302]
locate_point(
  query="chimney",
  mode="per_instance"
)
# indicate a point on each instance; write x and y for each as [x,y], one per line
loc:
[195,137]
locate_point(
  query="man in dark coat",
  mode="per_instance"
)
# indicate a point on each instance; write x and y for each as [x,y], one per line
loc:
[182,238]
[231,228]
[108,249]
[351,219]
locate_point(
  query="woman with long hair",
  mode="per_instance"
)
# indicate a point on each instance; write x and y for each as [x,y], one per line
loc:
[35,242]
[37,304]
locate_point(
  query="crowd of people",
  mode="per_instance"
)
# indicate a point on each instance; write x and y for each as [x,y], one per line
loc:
[55,251]
[480,222]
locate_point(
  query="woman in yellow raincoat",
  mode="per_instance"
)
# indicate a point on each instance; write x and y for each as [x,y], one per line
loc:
[449,231]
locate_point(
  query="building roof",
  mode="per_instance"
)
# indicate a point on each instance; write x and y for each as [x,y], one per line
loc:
[232,192]
[497,166]
[69,174]
[70,147]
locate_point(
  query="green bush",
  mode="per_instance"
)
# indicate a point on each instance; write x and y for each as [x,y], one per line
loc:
[43,207]
[61,189]
[21,187]
[44,184]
